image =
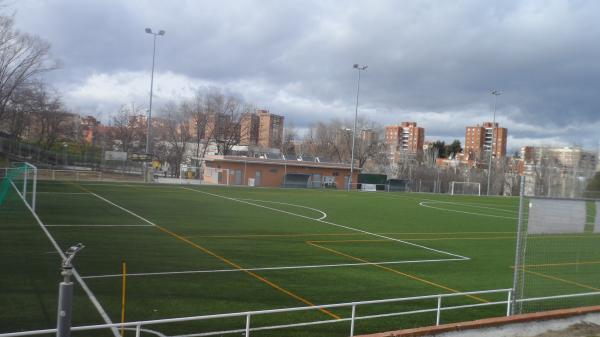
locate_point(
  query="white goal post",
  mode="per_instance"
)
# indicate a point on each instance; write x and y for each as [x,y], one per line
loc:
[465,188]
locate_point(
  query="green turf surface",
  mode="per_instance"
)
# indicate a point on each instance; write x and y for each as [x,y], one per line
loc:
[211,232]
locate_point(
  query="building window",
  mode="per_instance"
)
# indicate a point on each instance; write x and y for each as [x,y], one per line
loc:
[273,170]
[335,174]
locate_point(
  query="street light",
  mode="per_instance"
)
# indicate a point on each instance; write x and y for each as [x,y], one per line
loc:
[160,33]
[496,93]
[359,68]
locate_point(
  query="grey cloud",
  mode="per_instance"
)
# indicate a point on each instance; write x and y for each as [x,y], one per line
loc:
[434,57]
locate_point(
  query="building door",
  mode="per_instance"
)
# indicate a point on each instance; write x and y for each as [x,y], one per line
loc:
[257,178]
[238,177]
[316,181]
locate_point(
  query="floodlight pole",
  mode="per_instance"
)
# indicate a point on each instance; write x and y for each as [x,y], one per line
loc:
[149,126]
[359,68]
[65,293]
[496,93]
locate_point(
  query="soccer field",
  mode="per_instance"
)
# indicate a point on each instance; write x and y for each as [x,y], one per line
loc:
[207,250]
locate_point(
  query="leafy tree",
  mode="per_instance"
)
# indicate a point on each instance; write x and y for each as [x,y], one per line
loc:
[453,148]
[440,146]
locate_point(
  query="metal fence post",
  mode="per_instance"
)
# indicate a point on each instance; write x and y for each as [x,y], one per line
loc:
[65,294]
[138,330]
[248,325]
[518,254]
[25,175]
[508,302]
[439,310]
[352,319]
[34,188]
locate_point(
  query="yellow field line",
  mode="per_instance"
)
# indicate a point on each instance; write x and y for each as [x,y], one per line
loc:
[394,271]
[561,280]
[235,265]
[258,277]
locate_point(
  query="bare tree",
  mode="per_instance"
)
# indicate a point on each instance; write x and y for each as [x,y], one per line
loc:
[288,147]
[128,127]
[22,56]
[50,119]
[333,140]
[224,119]
[178,131]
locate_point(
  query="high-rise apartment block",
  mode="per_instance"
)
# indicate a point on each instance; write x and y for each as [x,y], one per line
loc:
[249,127]
[478,141]
[405,137]
[270,130]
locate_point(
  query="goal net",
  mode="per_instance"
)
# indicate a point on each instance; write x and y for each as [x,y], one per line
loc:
[190,175]
[19,179]
[465,188]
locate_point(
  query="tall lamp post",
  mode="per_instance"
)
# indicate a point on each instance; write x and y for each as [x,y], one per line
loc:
[149,127]
[496,93]
[359,68]
[154,35]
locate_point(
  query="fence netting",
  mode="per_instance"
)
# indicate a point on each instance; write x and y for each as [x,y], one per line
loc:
[558,252]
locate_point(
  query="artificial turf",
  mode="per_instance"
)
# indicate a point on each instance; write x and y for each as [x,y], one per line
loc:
[164,229]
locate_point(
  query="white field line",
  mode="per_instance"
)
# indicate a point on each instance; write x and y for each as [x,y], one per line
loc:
[426,204]
[473,205]
[212,271]
[81,282]
[331,223]
[50,192]
[98,226]
[459,258]
[125,210]
[324,215]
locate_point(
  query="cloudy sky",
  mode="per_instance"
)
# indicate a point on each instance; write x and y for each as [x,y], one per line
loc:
[433,62]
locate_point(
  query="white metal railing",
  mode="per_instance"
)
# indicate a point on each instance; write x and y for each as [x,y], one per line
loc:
[139,326]
[249,314]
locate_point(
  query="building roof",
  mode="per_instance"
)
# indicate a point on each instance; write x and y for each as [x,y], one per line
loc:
[279,162]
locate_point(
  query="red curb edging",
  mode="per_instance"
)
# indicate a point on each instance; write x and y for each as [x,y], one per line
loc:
[487,322]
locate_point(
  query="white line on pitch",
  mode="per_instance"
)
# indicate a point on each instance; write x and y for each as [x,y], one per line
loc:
[50,192]
[289,204]
[425,204]
[99,226]
[81,282]
[331,223]
[211,271]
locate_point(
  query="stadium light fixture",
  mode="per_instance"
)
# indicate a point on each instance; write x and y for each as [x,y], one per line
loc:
[359,68]
[496,93]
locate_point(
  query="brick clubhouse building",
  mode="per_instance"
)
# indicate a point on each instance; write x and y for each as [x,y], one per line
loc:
[248,171]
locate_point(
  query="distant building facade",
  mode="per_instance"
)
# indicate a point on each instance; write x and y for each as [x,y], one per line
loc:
[249,129]
[263,172]
[270,130]
[479,142]
[406,136]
